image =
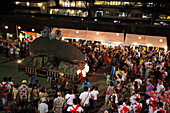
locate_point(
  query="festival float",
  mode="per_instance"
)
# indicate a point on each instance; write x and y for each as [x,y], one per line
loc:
[50,57]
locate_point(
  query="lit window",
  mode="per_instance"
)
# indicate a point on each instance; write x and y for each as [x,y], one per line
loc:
[17,2]
[39,4]
[27,3]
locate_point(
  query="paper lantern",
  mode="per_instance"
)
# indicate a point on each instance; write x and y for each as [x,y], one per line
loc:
[165,92]
[156,92]
[154,96]
[149,93]
[152,92]
[168,96]
[165,95]
[161,97]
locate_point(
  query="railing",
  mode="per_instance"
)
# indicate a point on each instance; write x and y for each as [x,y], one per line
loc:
[49,74]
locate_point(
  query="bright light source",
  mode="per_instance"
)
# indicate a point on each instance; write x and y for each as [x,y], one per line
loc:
[117,34]
[135,43]
[82,19]
[139,37]
[95,20]
[77,32]
[6,27]
[33,29]
[160,40]
[97,33]
[77,39]
[19,27]
[33,37]
[39,4]
[27,3]
[17,2]
[86,68]
[10,35]
[19,61]
[149,45]
[43,7]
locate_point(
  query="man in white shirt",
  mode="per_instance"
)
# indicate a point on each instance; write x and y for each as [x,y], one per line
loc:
[75,108]
[124,108]
[139,81]
[43,107]
[134,97]
[160,88]
[69,97]
[5,87]
[94,94]
[84,99]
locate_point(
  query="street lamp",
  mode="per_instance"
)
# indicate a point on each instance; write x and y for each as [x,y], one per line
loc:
[19,27]
[160,40]
[139,38]
[33,29]
[6,27]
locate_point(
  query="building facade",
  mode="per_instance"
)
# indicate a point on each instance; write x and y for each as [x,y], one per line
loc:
[117,11]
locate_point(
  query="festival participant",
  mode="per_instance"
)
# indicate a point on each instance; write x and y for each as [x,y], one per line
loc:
[62,83]
[160,108]
[139,81]
[149,88]
[151,102]
[23,93]
[5,90]
[160,88]
[69,97]
[134,97]
[137,106]
[109,92]
[124,108]
[43,94]
[75,108]
[43,107]
[85,99]
[59,103]
[86,84]
[94,94]
[35,97]
[164,74]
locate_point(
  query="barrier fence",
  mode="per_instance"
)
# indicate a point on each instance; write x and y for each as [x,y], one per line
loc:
[49,74]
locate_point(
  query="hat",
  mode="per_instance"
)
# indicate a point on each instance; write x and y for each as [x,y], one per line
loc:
[43,99]
[24,81]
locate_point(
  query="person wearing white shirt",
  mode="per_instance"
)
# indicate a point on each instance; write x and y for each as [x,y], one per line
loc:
[75,108]
[84,99]
[6,87]
[137,106]
[43,107]
[124,108]
[134,97]
[94,94]
[139,81]
[160,88]
[69,97]
[161,109]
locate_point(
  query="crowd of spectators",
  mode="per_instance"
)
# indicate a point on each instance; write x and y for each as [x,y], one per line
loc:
[14,49]
[134,77]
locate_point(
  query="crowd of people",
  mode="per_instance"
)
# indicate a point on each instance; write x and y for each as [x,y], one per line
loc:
[14,49]
[132,71]
[31,97]
[135,77]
